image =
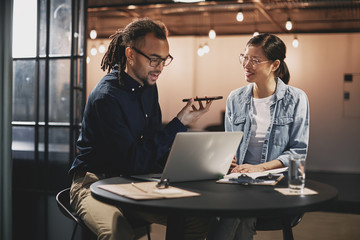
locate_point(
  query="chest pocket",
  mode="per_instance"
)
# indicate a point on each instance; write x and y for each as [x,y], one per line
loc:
[282,127]
[239,123]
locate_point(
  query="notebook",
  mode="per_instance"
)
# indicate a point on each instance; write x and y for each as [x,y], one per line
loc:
[198,156]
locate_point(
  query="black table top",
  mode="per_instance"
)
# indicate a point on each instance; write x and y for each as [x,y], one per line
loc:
[228,200]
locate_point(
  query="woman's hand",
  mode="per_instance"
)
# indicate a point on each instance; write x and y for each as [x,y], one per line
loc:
[245,168]
[233,165]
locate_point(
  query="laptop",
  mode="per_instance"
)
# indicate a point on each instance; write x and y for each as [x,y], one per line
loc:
[198,156]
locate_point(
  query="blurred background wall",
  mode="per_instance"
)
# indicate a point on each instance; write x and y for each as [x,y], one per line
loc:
[325,66]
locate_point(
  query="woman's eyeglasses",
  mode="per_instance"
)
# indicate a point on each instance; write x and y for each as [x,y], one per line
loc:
[244,60]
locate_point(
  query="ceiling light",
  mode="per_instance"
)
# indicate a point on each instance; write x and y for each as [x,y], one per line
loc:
[212,34]
[289,24]
[240,16]
[295,42]
[93,34]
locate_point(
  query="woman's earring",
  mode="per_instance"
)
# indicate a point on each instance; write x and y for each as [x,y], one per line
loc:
[131,62]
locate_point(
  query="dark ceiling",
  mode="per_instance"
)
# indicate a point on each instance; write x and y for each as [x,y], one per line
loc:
[308,16]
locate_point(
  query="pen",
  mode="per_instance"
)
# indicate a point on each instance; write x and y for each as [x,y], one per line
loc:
[139,188]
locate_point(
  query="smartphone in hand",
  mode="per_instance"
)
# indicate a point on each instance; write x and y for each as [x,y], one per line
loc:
[204,98]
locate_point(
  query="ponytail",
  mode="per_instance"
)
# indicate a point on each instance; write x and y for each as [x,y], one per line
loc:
[283,72]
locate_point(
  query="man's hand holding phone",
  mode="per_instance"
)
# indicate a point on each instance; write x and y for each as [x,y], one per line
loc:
[190,114]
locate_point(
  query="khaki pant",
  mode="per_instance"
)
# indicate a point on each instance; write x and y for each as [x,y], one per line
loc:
[109,222]
[232,228]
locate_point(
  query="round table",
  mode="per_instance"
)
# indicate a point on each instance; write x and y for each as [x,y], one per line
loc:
[224,200]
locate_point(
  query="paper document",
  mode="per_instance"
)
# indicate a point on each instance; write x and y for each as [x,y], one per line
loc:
[146,190]
[255,175]
[269,177]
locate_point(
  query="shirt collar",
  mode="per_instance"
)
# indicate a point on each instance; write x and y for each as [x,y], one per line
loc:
[130,84]
[279,92]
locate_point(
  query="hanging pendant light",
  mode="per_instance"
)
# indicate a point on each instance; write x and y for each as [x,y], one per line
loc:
[102,48]
[93,51]
[240,16]
[93,34]
[212,34]
[295,42]
[288,24]
[206,48]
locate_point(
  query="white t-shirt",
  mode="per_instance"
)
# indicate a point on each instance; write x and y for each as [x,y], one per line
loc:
[261,122]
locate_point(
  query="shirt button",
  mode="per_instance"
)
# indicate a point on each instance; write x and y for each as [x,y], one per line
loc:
[146,115]
[142,136]
[132,89]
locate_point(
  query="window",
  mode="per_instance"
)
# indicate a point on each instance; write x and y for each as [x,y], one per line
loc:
[48,100]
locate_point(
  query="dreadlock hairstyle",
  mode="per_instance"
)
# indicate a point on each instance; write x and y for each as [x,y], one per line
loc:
[128,37]
[274,48]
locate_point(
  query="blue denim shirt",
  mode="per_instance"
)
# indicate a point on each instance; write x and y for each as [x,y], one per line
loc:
[288,132]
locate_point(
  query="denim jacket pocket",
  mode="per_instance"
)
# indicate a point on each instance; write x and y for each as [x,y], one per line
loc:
[281,128]
[283,120]
[239,122]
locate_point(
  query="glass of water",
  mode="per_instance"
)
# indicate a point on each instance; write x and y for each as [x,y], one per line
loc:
[297,173]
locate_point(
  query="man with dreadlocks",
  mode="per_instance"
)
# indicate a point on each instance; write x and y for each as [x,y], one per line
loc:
[122,132]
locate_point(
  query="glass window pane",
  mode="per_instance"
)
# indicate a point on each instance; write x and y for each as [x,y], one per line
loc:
[23,146]
[59,92]
[42,100]
[82,30]
[24,90]
[60,27]
[59,145]
[43,26]
[24,28]
[78,93]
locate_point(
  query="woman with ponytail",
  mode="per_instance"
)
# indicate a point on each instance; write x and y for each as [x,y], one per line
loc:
[273,116]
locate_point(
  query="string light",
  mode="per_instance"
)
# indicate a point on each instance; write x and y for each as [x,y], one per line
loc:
[212,34]
[288,24]
[240,16]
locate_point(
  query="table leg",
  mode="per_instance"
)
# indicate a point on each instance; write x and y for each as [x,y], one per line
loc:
[175,227]
[287,229]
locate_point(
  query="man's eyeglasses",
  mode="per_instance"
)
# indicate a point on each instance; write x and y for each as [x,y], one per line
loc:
[244,60]
[155,61]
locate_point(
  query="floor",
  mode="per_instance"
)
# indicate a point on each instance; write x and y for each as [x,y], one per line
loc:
[314,226]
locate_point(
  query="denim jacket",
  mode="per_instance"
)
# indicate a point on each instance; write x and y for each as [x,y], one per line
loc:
[288,132]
